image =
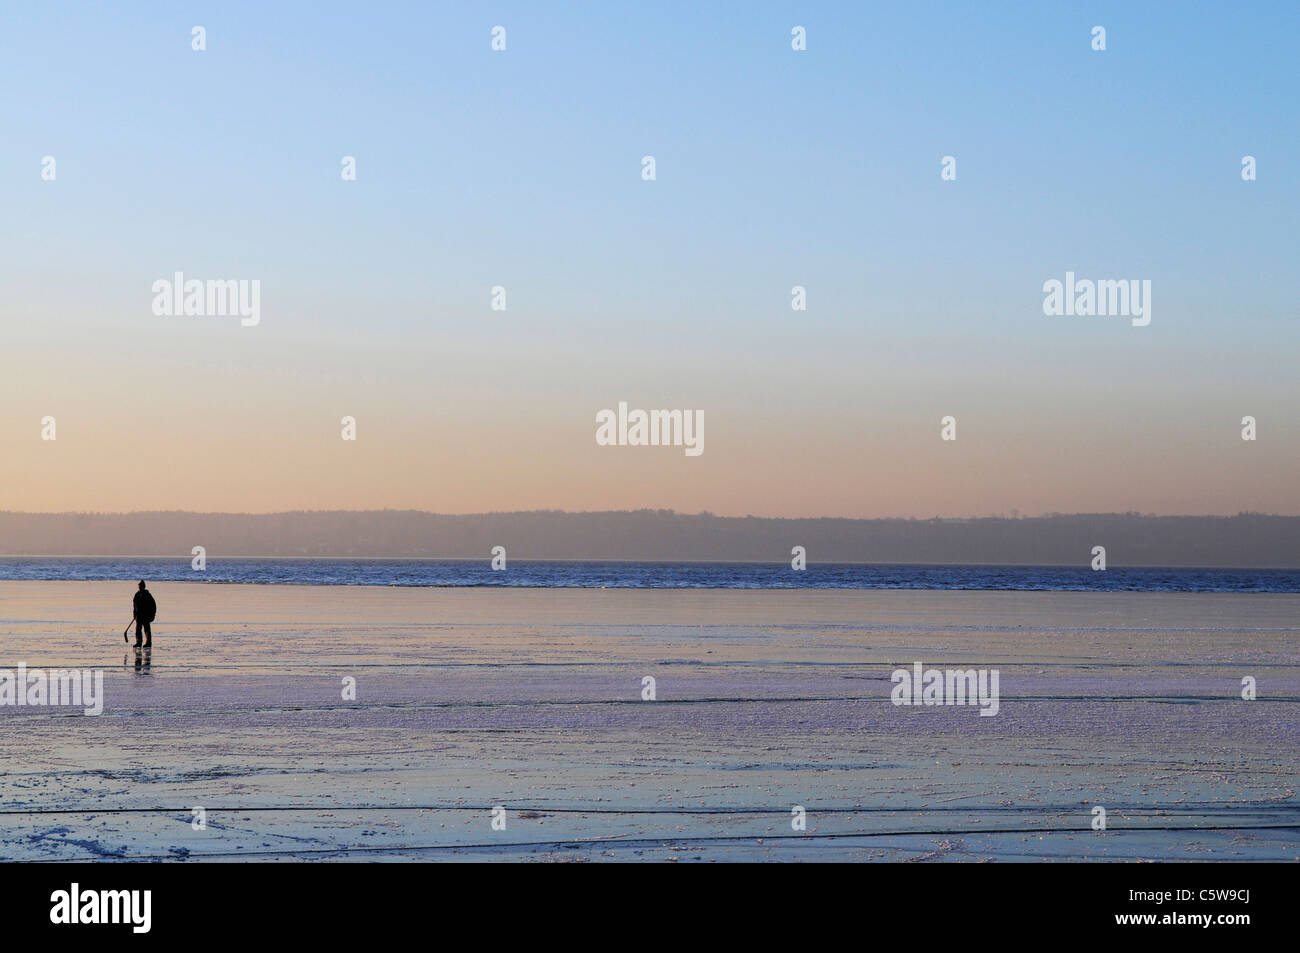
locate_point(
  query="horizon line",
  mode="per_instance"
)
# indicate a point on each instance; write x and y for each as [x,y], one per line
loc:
[653,510]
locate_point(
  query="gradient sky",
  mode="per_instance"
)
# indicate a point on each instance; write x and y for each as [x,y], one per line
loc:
[775,168]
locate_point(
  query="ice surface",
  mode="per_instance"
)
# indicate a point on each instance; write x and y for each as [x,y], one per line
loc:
[531,699]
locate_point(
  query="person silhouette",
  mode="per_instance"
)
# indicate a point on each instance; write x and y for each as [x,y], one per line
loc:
[144,610]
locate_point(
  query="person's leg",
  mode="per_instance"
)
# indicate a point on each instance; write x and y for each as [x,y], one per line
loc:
[148,635]
[138,625]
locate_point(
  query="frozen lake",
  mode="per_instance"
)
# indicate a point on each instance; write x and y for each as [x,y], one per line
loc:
[466,699]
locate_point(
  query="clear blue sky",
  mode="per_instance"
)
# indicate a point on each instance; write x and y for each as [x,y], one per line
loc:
[775,168]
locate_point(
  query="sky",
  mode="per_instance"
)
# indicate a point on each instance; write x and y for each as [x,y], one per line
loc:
[774,168]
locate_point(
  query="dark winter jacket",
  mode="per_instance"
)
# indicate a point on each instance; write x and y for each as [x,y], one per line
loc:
[144,606]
